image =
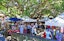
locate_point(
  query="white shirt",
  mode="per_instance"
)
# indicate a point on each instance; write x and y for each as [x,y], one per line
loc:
[34,30]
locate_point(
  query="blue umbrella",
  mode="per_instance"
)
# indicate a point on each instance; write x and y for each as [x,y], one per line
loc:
[15,19]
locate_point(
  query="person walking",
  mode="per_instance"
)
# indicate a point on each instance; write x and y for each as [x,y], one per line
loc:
[63,37]
[21,28]
[28,28]
[33,29]
[59,36]
[48,34]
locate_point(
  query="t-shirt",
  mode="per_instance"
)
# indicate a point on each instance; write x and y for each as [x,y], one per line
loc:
[21,29]
[48,34]
[28,27]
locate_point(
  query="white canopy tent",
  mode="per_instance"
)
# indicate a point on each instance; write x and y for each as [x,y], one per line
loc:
[58,22]
[27,19]
[55,22]
[44,19]
[61,16]
[30,20]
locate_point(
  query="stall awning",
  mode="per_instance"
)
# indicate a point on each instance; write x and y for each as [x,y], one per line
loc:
[15,19]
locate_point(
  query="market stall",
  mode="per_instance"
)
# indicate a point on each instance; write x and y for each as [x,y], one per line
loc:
[14,22]
[56,22]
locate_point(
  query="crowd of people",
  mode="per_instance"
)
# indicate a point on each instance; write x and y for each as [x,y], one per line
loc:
[37,30]
[32,28]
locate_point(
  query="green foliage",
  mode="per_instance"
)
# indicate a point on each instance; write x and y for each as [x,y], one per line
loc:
[46,11]
[15,7]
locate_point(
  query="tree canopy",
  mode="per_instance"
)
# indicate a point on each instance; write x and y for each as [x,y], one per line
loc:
[32,8]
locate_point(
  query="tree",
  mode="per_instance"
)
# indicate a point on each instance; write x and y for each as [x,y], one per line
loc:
[36,8]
